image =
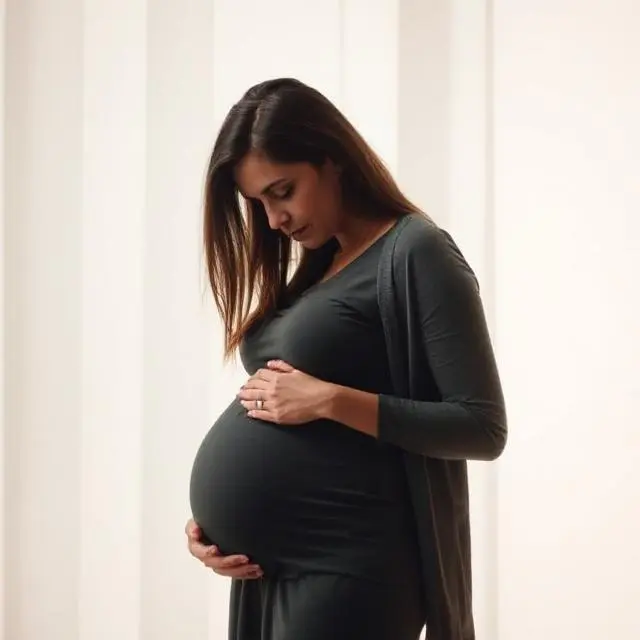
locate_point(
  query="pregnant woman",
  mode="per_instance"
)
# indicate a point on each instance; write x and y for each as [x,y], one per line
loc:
[332,490]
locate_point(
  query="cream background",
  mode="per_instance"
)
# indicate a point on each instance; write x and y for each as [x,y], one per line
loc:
[515,124]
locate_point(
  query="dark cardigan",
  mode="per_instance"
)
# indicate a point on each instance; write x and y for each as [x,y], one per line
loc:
[447,407]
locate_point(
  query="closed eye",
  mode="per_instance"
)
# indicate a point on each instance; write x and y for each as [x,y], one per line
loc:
[283,194]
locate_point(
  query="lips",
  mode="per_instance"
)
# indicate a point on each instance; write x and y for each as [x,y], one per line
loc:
[296,235]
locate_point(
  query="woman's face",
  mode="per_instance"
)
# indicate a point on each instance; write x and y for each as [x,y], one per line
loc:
[300,201]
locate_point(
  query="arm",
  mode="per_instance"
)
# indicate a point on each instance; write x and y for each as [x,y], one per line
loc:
[441,291]
[469,422]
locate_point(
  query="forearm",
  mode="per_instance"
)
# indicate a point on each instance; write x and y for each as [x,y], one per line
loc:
[353,408]
[449,430]
[436,429]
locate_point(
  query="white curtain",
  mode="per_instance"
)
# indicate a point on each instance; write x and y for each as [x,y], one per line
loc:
[513,125]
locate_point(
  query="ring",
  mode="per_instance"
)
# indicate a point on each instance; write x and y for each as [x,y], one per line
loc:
[259,404]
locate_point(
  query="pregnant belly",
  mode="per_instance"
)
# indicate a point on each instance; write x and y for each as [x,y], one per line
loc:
[290,496]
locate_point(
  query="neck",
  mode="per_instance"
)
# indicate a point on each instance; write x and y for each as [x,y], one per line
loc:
[358,232]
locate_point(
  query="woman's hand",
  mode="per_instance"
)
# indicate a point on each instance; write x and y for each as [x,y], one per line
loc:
[288,396]
[229,566]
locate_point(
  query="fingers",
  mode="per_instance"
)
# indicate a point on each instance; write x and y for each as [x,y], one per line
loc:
[221,562]
[250,572]
[197,549]
[250,394]
[265,375]
[235,566]
[192,530]
[201,551]
[263,415]
[260,414]
[257,383]
[248,397]
[280,365]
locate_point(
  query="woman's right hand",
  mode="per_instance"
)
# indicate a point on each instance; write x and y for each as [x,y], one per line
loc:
[236,566]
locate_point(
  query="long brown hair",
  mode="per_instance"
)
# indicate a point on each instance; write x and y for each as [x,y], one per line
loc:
[249,264]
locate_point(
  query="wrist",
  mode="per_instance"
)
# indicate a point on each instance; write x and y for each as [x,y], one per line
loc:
[352,408]
[329,399]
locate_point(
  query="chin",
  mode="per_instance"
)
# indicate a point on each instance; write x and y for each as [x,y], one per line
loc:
[311,243]
[316,241]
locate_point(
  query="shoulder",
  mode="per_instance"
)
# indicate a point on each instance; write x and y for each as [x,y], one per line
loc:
[419,244]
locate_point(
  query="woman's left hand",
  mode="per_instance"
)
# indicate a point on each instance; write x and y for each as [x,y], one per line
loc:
[288,396]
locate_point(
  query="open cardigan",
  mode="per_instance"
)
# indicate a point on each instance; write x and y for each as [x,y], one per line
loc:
[447,406]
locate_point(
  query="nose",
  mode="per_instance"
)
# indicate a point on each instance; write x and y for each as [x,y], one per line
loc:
[276,217]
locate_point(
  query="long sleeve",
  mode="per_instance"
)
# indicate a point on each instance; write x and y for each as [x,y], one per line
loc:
[438,299]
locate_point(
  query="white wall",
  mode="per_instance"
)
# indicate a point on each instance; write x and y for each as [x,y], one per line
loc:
[2,312]
[567,240]
[514,126]
[43,192]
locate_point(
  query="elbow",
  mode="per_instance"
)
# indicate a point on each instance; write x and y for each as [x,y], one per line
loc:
[490,427]
[496,446]
[495,438]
